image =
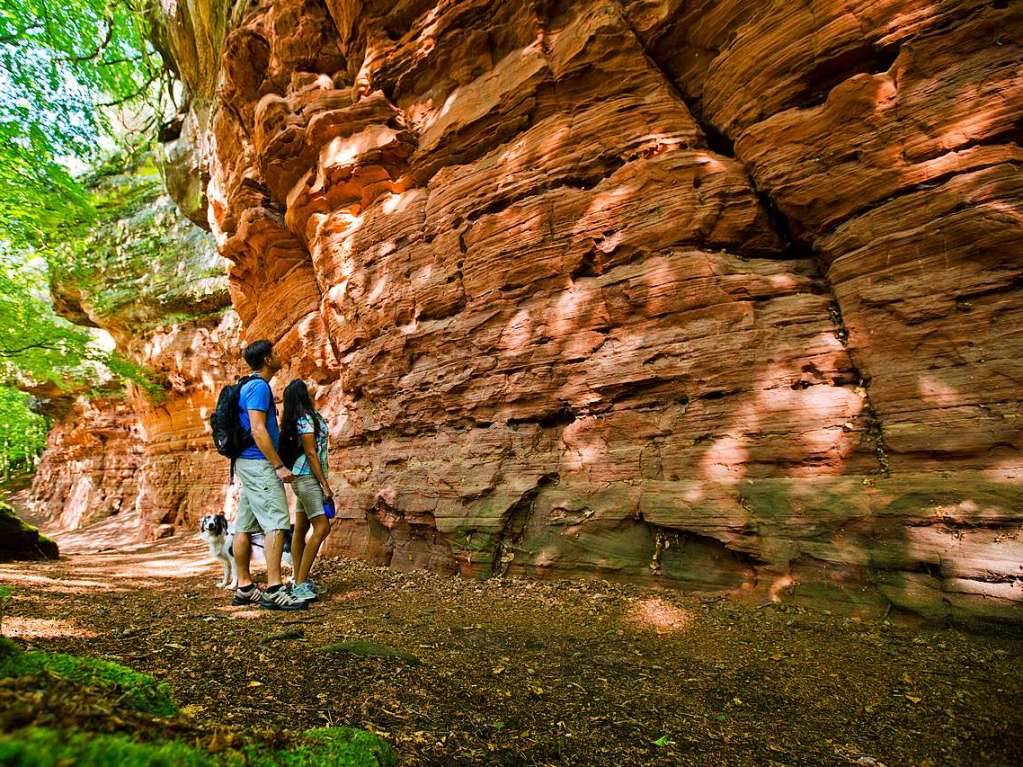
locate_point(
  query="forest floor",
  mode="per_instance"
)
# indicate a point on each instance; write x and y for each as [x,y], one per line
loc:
[511,672]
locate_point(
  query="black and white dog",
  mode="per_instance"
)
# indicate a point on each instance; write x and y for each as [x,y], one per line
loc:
[214,529]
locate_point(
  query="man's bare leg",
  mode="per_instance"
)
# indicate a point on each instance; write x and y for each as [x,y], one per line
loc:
[273,545]
[242,554]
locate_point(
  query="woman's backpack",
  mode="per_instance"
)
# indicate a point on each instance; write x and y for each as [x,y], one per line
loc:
[289,446]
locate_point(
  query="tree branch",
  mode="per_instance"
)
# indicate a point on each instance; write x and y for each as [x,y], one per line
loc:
[99,49]
[131,96]
[112,62]
[29,347]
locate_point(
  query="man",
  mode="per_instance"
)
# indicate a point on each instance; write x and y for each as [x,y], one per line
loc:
[262,505]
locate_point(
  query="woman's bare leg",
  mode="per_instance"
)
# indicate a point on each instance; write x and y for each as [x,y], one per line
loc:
[321,528]
[298,542]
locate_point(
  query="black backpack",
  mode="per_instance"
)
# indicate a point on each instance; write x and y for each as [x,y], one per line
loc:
[229,437]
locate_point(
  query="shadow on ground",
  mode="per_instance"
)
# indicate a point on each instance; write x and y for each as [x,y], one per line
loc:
[508,672]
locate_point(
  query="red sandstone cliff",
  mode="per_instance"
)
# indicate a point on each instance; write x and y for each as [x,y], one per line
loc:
[148,458]
[723,294]
[90,469]
[156,284]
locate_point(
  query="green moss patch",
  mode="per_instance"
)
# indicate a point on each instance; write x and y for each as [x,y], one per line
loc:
[343,746]
[371,650]
[131,688]
[45,747]
[19,540]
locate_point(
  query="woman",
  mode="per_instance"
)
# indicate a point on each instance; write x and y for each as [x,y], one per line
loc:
[311,485]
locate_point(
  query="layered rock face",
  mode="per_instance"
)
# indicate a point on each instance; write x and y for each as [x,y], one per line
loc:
[91,466]
[716,294]
[155,283]
[888,134]
[183,477]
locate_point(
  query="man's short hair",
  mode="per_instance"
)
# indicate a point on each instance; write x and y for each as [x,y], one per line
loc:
[257,352]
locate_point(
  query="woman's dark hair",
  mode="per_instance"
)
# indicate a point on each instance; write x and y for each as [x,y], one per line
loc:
[298,403]
[257,352]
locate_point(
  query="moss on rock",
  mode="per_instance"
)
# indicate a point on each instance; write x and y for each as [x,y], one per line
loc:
[324,747]
[133,689]
[19,540]
[139,261]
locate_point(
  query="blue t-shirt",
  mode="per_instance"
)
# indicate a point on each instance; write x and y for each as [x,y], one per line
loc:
[256,395]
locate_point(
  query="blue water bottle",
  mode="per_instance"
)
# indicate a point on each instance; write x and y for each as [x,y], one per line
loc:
[328,508]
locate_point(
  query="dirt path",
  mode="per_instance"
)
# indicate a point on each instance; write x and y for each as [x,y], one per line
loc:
[514,672]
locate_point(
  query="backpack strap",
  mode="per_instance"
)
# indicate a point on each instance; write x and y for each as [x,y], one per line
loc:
[241,384]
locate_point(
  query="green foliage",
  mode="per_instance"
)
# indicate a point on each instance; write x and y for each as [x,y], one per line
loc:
[136,690]
[33,339]
[78,78]
[68,71]
[22,432]
[326,747]
[38,196]
[38,346]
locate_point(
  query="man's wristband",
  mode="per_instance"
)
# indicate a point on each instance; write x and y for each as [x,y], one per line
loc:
[278,466]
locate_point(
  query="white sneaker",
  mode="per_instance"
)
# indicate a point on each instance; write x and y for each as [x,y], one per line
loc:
[281,600]
[252,596]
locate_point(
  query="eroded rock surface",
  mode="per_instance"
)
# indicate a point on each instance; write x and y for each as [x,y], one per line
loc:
[90,468]
[699,292]
[723,294]
[156,284]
